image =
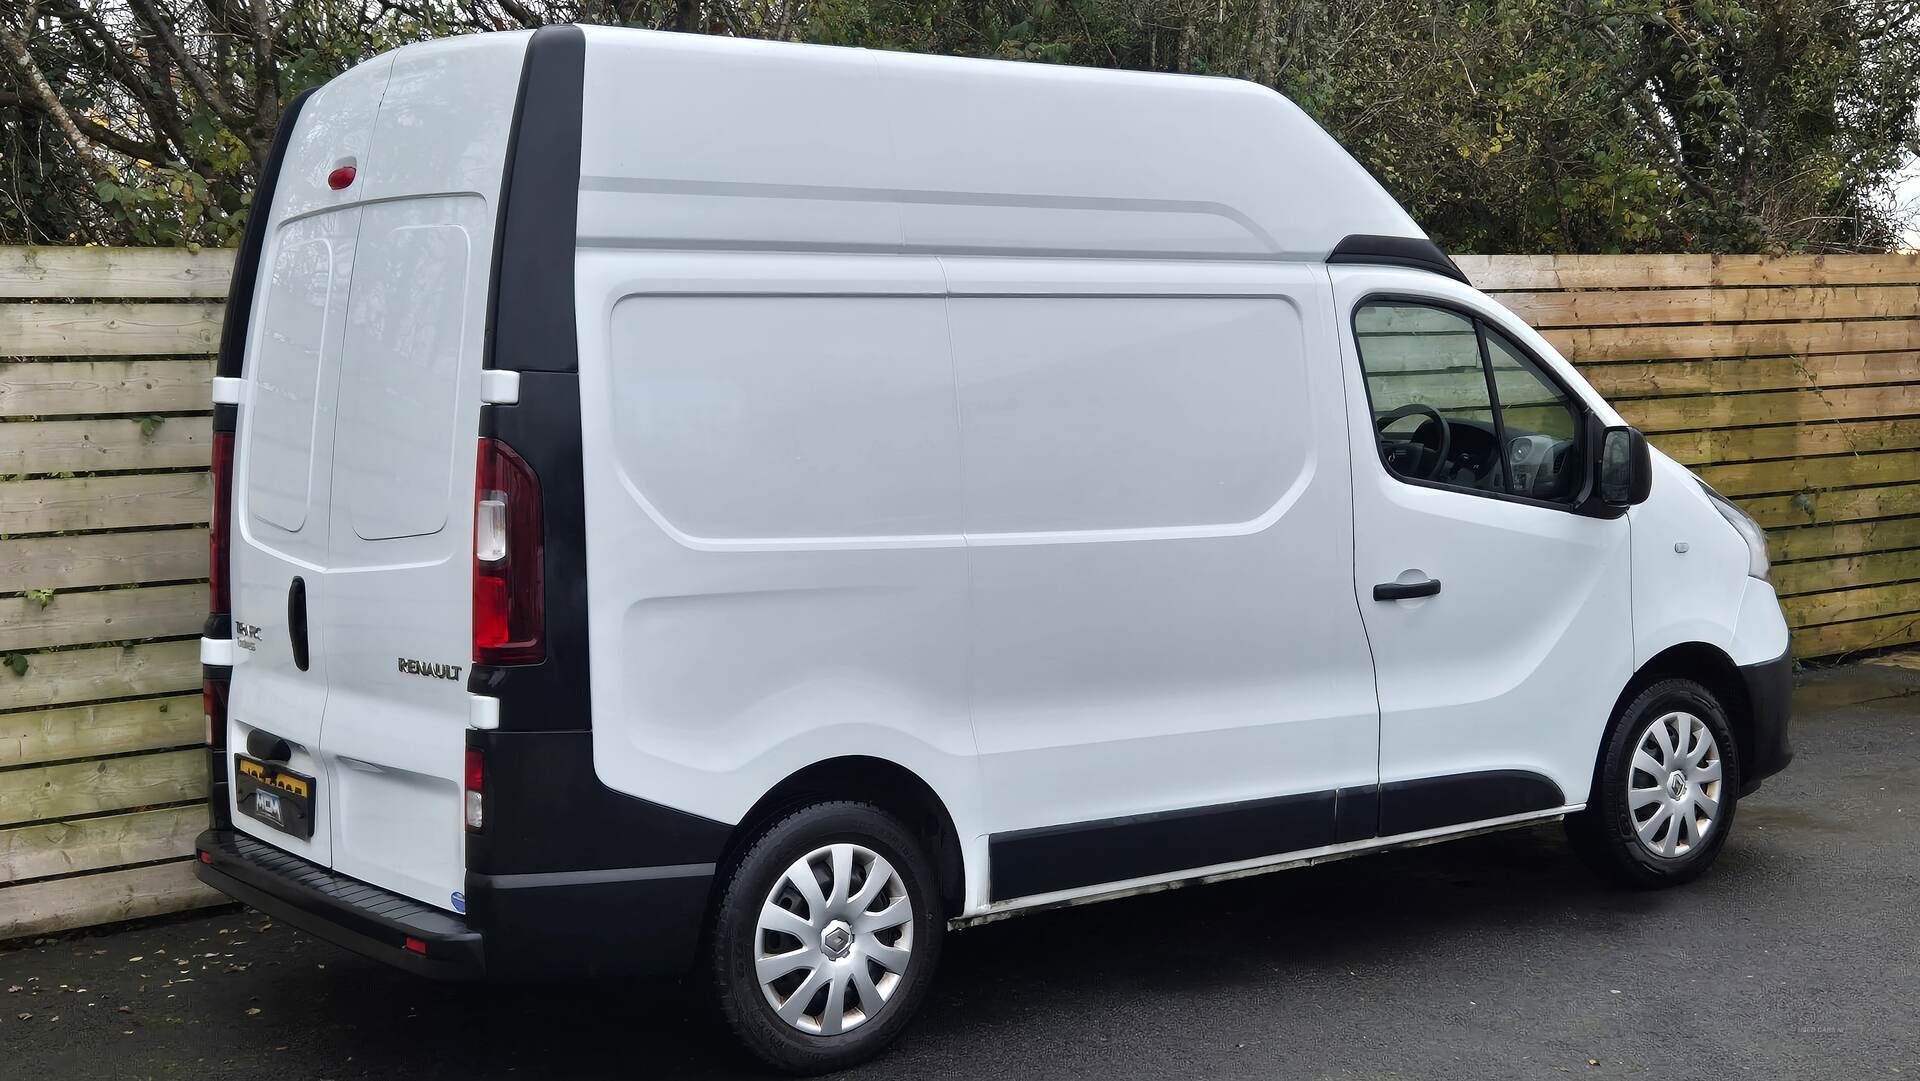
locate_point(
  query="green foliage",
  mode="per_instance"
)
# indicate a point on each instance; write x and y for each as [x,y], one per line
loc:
[15,662]
[44,596]
[1503,125]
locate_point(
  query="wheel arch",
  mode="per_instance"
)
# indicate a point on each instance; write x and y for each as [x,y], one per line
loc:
[1709,666]
[866,779]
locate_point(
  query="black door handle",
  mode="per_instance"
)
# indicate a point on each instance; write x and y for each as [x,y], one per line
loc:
[297,622]
[1401,591]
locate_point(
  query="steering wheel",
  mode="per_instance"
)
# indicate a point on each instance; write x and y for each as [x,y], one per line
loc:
[1415,409]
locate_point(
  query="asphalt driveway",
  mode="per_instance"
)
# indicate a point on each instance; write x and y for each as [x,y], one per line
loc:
[1798,956]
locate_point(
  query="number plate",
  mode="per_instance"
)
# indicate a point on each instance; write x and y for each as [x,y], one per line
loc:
[271,793]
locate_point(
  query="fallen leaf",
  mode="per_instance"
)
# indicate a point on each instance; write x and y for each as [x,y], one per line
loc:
[23,1016]
[131,960]
[253,1011]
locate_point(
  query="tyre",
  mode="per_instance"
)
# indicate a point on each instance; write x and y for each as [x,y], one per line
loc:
[826,937]
[1664,789]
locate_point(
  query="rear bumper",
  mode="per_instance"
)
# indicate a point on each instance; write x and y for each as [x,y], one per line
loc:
[532,926]
[1770,704]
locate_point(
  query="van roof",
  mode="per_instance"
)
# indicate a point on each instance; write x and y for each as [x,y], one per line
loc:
[692,141]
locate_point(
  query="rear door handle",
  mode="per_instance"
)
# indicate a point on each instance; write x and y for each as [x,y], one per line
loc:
[297,622]
[1401,591]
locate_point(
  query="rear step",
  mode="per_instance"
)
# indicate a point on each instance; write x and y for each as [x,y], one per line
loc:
[342,910]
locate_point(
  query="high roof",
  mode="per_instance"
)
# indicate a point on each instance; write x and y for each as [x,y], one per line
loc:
[697,141]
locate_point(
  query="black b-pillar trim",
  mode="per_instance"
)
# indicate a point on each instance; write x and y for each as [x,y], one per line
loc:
[1407,251]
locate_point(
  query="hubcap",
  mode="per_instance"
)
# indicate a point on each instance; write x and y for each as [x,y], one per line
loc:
[1673,787]
[834,938]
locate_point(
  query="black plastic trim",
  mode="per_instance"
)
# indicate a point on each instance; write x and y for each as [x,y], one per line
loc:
[548,812]
[246,262]
[1428,803]
[1419,253]
[1356,813]
[1035,861]
[644,920]
[341,910]
[1768,749]
[226,417]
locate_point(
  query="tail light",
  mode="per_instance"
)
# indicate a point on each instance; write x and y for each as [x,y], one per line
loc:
[213,702]
[509,597]
[220,528]
[476,786]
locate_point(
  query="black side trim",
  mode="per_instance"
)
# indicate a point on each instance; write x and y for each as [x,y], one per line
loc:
[640,920]
[1433,802]
[342,910]
[1767,749]
[226,417]
[1416,252]
[1356,813]
[246,262]
[1029,862]
[548,813]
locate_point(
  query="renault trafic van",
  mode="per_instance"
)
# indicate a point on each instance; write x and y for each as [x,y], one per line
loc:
[688,504]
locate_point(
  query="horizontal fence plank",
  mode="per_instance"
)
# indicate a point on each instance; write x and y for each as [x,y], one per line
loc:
[1662,378]
[62,848]
[1830,639]
[145,724]
[1506,272]
[125,502]
[1494,272]
[75,561]
[1821,508]
[43,907]
[1640,307]
[1606,344]
[89,675]
[102,444]
[47,272]
[106,784]
[1851,538]
[102,615]
[1812,474]
[53,387]
[93,330]
[1787,441]
[1845,572]
[1850,604]
[1771,407]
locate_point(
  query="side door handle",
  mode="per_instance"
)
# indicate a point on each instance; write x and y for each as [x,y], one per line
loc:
[1401,591]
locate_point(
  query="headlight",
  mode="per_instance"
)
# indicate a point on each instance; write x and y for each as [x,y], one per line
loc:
[1749,530]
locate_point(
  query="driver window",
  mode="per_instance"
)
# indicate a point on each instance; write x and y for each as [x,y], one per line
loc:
[1455,403]
[1431,409]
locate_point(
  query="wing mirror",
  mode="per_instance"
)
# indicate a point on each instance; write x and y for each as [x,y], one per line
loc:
[1623,467]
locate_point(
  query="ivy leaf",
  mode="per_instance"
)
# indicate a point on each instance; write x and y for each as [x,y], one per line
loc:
[17,662]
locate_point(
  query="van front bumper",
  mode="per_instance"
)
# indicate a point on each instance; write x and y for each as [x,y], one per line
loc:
[530,926]
[1770,706]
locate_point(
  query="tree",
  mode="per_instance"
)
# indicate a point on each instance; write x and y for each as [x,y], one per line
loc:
[1503,125]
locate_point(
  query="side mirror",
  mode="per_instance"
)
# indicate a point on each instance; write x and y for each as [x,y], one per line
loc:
[1623,467]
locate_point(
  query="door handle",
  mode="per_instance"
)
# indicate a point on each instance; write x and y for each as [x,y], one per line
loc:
[297,622]
[1402,591]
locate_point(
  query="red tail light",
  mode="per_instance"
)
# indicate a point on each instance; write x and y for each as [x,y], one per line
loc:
[220,528]
[213,701]
[509,596]
[476,786]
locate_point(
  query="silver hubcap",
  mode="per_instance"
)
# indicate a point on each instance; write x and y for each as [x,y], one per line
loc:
[834,939]
[1673,789]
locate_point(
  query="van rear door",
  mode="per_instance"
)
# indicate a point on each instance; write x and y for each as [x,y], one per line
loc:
[391,539]
[283,458]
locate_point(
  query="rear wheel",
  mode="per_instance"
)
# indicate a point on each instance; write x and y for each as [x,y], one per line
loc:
[826,937]
[1663,796]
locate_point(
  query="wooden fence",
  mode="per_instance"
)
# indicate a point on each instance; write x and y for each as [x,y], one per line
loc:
[1791,384]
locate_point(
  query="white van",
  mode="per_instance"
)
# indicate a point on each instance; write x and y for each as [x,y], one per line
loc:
[699,504]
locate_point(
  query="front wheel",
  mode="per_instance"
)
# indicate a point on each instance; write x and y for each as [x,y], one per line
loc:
[825,938]
[1664,791]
